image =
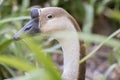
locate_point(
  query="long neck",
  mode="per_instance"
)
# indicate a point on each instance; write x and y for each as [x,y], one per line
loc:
[82,66]
[71,55]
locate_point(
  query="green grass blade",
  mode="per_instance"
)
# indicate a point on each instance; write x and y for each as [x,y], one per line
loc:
[5,44]
[89,18]
[99,46]
[113,14]
[14,19]
[14,62]
[109,70]
[25,4]
[42,58]
[9,70]
[93,38]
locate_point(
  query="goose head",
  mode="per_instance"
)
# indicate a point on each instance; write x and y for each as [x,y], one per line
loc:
[54,19]
[47,20]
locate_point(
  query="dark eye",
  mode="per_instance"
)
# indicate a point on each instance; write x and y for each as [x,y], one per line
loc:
[49,16]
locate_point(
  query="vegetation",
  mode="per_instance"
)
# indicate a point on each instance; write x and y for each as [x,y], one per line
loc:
[26,59]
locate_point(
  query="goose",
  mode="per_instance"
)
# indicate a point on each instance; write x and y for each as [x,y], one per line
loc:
[49,20]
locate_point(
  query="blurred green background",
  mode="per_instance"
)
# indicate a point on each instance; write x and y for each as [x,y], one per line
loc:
[26,60]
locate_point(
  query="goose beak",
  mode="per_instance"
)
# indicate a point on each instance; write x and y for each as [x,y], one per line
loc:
[30,28]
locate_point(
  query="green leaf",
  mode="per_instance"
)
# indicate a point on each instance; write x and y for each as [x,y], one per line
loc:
[17,63]
[93,38]
[5,44]
[100,45]
[109,70]
[43,58]
[25,4]
[113,14]
[40,74]
[89,18]
[14,19]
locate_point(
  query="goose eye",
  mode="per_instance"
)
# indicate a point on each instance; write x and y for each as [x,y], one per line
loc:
[34,13]
[49,16]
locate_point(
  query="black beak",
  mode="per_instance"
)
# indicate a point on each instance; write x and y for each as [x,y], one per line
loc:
[31,27]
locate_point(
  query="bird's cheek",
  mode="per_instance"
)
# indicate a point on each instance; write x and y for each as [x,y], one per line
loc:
[45,29]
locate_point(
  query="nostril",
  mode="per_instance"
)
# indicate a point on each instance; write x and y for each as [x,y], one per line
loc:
[28,28]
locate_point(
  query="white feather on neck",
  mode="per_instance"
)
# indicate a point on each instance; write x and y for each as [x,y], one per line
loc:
[71,55]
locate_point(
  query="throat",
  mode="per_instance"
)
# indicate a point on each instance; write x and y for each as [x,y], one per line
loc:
[71,55]
[70,49]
